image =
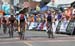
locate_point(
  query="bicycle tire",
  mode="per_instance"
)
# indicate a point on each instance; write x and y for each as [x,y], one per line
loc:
[11,31]
[4,28]
[21,33]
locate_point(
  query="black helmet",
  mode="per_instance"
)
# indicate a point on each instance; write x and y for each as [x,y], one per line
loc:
[11,15]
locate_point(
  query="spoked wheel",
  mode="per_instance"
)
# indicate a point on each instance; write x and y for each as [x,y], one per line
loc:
[11,31]
[4,28]
[22,31]
[50,33]
[21,34]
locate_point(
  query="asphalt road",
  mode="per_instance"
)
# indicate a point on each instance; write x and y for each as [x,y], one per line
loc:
[36,38]
[70,43]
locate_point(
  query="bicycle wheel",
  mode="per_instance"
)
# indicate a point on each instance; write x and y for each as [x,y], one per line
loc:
[4,28]
[50,31]
[11,31]
[21,34]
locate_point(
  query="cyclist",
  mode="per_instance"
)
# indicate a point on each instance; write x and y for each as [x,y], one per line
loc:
[11,21]
[49,26]
[21,23]
[4,23]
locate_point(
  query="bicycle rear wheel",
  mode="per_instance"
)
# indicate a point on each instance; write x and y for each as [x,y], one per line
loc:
[21,34]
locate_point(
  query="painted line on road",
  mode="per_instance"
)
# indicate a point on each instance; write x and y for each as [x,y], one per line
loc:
[10,39]
[28,43]
[11,42]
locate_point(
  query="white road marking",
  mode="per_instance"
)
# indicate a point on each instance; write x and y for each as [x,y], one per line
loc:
[10,39]
[28,43]
[11,42]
